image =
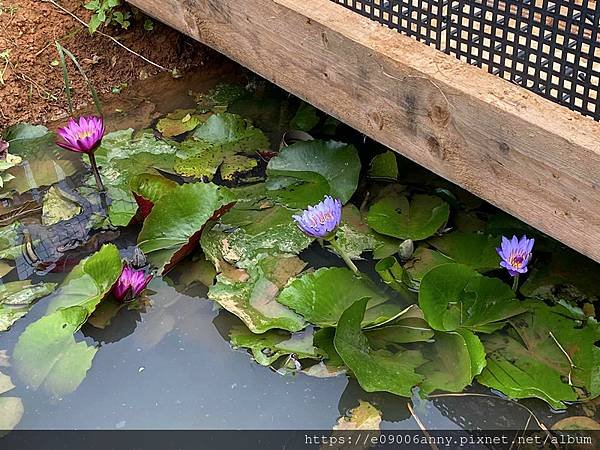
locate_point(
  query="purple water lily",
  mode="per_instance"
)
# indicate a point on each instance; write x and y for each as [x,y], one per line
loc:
[130,284]
[84,136]
[322,219]
[515,254]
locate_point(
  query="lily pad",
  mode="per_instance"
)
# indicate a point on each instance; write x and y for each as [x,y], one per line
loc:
[253,299]
[416,219]
[454,296]
[402,331]
[179,122]
[177,219]
[322,296]
[90,281]
[384,166]
[472,249]
[311,162]
[306,118]
[151,186]
[244,236]
[268,347]
[375,370]
[422,261]
[46,355]
[530,360]
[231,132]
[236,164]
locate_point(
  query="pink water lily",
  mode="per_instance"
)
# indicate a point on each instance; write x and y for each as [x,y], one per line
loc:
[130,284]
[84,135]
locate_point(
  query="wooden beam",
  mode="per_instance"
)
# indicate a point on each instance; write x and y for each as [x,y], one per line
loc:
[526,155]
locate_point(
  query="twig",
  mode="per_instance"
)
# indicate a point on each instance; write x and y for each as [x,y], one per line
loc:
[422,427]
[573,366]
[116,41]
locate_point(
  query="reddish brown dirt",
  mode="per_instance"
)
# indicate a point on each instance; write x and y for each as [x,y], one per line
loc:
[32,88]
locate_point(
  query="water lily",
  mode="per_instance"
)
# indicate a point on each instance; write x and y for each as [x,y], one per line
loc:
[84,135]
[130,284]
[515,255]
[321,220]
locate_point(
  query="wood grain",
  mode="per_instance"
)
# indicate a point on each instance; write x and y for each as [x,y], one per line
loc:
[528,156]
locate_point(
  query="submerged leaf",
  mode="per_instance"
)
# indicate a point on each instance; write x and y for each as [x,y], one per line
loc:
[176,220]
[416,219]
[364,417]
[57,207]
[46,355]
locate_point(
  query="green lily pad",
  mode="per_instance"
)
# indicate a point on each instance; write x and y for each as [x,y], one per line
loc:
[454,359]
[384,166]
[236,164]
[530,360]
[322,296]
[472,249]
[46,355]
[306,118]
[90,281]
[177,219]
[394,275]
[323,340]
[231,132]
[253,298]
[314,161]
[355,237]
[417,219]
[402,331]
[244,236]
[375,370]
[151,186]
[268,347]
[11,241]
[454,296]
[421,262]
[179,122]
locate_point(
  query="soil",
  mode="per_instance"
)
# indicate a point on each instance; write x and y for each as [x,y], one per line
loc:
[31,80]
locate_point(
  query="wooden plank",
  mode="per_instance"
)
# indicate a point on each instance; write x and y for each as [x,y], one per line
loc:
[528,156]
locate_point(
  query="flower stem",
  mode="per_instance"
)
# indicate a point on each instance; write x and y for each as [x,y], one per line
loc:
[344,255]
[515,285]
[96,172]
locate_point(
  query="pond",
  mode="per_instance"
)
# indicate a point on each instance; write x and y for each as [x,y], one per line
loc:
[254,320]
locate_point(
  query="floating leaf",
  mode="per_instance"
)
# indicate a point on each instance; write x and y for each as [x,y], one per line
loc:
[306,118]
[11,411]
[179,122]
[177,219]
[46,355]
[272,345]
[58,207]
[355,237]
[236,164]
[384,166]
[402,331]
[416,219]
[312,162]
[90,281]
[454,359]
[531,359]
[364,417]
[253,299]
[421,262]
[454,296]
[375,370]
[245,235]
[151,186]
[322,296]
[472,249]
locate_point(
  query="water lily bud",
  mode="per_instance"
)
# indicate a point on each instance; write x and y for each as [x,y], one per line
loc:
[406,249]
